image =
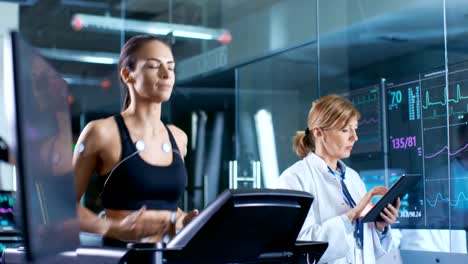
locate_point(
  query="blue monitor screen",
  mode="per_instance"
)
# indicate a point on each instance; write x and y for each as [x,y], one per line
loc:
[418,127]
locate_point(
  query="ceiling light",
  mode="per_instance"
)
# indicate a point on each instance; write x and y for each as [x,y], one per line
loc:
[80,56]
[107,23]
[72,79]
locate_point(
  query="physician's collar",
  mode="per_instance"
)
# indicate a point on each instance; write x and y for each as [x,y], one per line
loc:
[314,160]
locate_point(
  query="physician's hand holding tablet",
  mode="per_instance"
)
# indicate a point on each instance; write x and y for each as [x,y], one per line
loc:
[389,214]
[385,211]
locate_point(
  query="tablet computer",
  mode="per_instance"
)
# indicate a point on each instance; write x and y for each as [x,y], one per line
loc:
[399,189]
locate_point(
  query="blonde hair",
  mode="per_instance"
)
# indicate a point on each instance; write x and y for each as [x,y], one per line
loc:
[328,112]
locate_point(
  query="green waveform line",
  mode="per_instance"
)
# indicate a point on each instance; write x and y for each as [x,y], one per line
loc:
[451,113]
[444,102]
[365,99]
[8,199]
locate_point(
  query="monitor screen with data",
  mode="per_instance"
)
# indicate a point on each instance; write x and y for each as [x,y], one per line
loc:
[417,127]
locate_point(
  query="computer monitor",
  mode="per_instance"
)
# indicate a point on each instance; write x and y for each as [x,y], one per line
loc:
[241,225]
[38,113]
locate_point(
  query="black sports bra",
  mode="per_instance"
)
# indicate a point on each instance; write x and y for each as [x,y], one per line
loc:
[135,183]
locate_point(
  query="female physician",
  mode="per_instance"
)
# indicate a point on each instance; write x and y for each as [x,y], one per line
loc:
[340,194]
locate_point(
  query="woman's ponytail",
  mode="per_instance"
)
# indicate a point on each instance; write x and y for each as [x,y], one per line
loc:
[303,143]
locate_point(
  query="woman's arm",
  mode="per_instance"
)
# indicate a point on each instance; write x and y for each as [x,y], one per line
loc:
[182,218]
[85,159]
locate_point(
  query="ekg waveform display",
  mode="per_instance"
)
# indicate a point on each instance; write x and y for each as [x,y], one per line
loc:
[460,198]
[6,209]
[367,101]
[423,127]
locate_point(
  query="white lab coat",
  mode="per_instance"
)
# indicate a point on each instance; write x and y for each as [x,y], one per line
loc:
[325,220]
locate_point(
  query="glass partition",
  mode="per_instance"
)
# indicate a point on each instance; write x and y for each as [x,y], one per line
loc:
[402,64]
[456,125]
[389,59]
[273,98]
[250,70]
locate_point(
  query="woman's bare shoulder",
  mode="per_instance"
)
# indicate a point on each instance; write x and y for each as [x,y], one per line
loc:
[100,131]
[180,138]
[179,135]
